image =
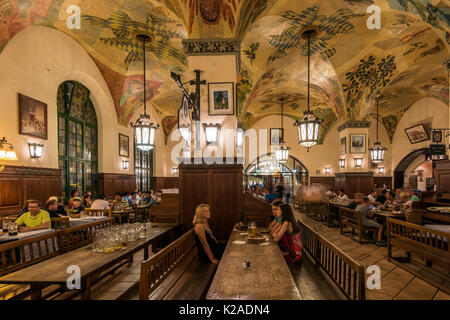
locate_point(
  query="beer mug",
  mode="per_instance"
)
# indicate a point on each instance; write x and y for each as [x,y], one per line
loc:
[5,226]
[252,229]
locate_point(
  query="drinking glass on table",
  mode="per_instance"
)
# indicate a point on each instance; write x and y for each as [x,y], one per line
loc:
[12,230]
[5,226]
[252,229]
[99,241]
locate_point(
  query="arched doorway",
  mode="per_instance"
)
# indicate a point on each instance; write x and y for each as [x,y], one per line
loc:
[399,172]
[77,139]
[265,171]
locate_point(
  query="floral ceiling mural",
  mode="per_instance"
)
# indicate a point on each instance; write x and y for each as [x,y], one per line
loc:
[351,65]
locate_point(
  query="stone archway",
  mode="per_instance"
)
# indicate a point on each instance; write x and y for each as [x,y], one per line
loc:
[399,172]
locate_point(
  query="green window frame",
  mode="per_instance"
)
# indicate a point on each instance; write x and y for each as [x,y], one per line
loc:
[143,168]
[77,139]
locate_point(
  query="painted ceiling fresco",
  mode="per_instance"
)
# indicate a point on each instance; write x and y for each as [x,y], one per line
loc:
[351,65]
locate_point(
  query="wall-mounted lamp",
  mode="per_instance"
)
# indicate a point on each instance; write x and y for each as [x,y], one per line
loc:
[342,163]
[381,170]
[212,131]
[175,170]
[7,153]
[318,172]
[36,150]
[239,137]
[125,164]
[327,170]
[358,162]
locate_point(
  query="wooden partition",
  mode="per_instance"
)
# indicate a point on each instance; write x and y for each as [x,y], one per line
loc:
[380,180]
[17,184]
[441,173]
[328,182]
[353,182]
[166,183]
[110,183]
[168,210]
[220,186]
[257,210]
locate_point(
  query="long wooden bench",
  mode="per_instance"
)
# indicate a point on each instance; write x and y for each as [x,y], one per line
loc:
[346,274]
[429,244]
[176,272]
[352,219]
[19,254]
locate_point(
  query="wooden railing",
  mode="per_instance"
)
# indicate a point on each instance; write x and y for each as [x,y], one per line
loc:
[346,273]
[76,237]
[158,267]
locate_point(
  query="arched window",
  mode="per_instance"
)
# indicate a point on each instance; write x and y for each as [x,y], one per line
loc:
[77,139]
[143,168]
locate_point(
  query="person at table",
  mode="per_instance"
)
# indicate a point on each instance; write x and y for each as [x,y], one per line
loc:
[24,208]
[373,196]
[342,197]
[60,208]
[330,194]
[357,201]
[117,202]
[208,247]
[390,202]
[398,193]
[126,200]
[381,198]
[412,195]
[100,203]
[134,198]
[51,206]
[34,218]
[276,223]
[270,196]
[77,206]
[288,237]
[87,202]
[368,221]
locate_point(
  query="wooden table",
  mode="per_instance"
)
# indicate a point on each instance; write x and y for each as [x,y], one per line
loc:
[122,213]
[91,264]
[268,277]
[389,214]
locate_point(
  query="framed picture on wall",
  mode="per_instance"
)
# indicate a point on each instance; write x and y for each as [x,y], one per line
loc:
[221,98]
[357,143]
[32,117]
[124,145]
[276,136]
[417,134]
[437,136]
[343,149]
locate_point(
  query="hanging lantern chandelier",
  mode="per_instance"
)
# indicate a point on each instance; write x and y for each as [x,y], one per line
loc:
[377,151]
[144,129]
[308,127]
[282,152]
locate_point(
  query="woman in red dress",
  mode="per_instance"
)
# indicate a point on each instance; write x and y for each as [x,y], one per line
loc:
[288,237]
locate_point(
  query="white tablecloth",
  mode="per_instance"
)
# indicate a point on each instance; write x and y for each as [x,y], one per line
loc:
[79,221]
[24,235]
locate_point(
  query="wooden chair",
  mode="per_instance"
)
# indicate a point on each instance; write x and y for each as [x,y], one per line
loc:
[352,218]
[176,272]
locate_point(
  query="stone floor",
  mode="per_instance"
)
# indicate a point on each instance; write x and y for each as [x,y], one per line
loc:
[396,283]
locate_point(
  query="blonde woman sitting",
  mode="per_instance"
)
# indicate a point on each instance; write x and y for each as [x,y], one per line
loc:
[208,247]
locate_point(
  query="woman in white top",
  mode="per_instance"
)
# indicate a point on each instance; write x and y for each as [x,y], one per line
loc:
[342,197]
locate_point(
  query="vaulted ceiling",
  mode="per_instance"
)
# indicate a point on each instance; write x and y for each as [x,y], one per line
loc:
[402,62]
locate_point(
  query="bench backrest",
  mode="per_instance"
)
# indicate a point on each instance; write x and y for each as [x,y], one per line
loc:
[60,223]
[433,240]
[346,273]
[22,253]
[98,212]
[353,216]
[158,267]
[76,237]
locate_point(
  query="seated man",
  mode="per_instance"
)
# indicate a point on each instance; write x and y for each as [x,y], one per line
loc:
[77,206]
[381,198]
[358,200]
[34,218]
[117,202]
[390,202]
[372,196]
[368,221]
[134,198]
[100,203]
[51,206]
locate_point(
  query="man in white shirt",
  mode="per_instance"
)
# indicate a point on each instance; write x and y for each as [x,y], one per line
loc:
[372,196]
[100,203]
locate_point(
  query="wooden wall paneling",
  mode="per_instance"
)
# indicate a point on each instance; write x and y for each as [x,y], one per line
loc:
[328,182]
[257,210]
[383,180]
[353,182]
[441,173]
[166,183]
[110,183]
[18,184]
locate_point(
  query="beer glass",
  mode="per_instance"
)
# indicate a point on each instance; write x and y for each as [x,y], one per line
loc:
[5,226]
